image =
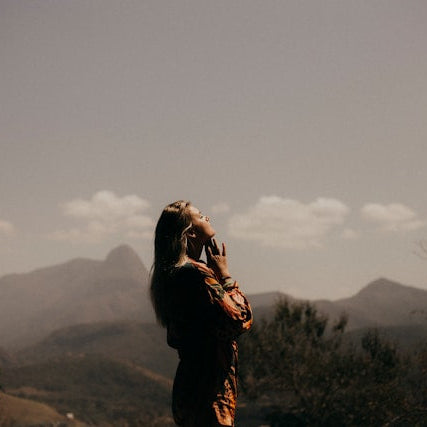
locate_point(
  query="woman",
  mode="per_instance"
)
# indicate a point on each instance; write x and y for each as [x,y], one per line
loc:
[203,310]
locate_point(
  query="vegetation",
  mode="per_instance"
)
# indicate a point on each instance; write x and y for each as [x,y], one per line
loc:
[298,366]
[22,412]
[96,390]
[143,344]
[297,369]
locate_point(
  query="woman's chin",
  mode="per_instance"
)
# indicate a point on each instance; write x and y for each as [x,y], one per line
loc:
[208,238]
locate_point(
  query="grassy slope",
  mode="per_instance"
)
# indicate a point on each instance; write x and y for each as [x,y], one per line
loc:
[18,411]
[97,390]
[140,343]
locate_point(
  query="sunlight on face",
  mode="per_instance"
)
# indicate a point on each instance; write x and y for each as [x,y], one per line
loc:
[201,225]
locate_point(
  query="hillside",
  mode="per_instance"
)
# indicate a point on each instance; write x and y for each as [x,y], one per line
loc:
[92,347]
[84,291]
[138,343]
[399,312]
[263,304]
[79,291]
[16,411]
[381,303]
[98,391]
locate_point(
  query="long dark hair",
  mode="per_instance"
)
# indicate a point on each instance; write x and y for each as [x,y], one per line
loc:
[170,247]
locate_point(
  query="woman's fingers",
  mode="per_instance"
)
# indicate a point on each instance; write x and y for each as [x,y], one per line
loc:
[215,247]
[212,249]
[217,260]
[209,251]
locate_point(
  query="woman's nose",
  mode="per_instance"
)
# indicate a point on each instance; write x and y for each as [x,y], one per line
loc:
[207,218]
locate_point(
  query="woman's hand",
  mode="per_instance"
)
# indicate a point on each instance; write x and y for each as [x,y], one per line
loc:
[217,260]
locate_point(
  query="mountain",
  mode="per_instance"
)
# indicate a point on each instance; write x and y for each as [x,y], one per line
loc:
[398,311]
[266,299]
[79,291]
[262,304]
[96,389]
[382,303]
[143,344]
[83,291]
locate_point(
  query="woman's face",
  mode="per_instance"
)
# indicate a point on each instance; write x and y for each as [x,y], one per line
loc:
[201,225]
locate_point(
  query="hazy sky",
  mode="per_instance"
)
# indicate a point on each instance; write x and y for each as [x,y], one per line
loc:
[300,127]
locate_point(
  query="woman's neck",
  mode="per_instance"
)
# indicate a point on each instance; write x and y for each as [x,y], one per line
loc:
[194,250]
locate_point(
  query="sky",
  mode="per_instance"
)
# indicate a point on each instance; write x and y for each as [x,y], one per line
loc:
[299,127]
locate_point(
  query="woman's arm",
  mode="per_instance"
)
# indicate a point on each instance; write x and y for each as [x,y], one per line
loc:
[231,312]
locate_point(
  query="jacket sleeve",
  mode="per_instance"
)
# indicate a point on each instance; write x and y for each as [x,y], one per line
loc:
[231,311]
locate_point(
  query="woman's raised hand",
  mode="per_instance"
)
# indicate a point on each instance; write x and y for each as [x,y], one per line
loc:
[217,259]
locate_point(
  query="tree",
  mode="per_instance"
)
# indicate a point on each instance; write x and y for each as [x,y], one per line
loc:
[299,365]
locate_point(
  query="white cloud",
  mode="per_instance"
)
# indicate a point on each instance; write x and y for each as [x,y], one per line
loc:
[6,228]
[220,208]
[106,214]
[392,217]
[105,205]
[287,223]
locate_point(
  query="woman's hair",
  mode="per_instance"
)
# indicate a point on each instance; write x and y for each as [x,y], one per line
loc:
[170,246]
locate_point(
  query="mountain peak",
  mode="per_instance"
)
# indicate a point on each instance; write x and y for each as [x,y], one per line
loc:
[379,288]
[383,283]
[121,251]
[124,257]
[382,288]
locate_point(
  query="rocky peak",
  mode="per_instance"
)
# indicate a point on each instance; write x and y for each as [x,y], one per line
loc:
[124,258]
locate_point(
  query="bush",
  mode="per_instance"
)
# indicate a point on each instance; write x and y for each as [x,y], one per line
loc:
[297,365]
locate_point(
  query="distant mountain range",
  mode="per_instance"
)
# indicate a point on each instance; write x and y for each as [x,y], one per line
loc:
[143,344]
[84,291]
[77,335]
[79,291]
[382,303]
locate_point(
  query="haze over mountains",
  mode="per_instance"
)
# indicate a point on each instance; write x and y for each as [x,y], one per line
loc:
[382,303]
[79,291]
[68,330]
[84,291]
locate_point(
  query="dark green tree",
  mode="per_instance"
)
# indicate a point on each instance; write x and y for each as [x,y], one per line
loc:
[298,364]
